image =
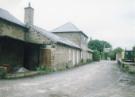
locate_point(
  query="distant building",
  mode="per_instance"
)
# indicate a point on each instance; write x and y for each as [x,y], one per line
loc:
[129,55]
[29,46]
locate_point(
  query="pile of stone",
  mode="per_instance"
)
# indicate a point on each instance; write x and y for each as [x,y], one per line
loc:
[22,69]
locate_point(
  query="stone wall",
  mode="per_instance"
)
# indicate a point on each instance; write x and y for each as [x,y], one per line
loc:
[76,37]
[90,56]
[84,42]
[36,37]
[12,30]
[83,56]
[65,57]
[14,49]
[127,66]
[79,39]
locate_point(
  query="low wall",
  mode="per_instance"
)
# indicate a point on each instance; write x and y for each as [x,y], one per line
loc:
[127,66]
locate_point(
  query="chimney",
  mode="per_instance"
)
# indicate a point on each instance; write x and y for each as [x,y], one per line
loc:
[29,15]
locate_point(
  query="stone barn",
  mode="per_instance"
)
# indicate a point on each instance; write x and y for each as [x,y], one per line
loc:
[55,52]
[72,33]
[27,45]
[15,51]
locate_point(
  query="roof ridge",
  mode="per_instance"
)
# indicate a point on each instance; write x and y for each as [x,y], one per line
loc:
[66,27]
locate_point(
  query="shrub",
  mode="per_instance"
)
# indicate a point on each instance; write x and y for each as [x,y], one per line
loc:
[96,55]
[89,60]
[45,69]
[2,72]
[126,67]
[82,61]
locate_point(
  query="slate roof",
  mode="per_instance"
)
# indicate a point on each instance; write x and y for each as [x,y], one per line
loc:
[54,37]
[8,17]
[5,15]
[68,27]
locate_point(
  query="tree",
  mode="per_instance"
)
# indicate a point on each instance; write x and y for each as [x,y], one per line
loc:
[113,53]
[98,45]
[133,48]
[96,55]
[95,45]
[118,50]
[134,52]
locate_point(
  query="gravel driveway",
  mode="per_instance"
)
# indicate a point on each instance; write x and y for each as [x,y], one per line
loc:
[99,79]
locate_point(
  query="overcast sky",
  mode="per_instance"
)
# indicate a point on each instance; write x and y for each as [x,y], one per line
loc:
[110,20]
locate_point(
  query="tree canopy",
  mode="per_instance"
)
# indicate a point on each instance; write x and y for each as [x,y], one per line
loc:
[98,45]
[118,50]
[113,53]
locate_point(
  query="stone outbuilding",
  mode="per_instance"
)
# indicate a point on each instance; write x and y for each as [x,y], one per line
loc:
[72,33]
[29,46]
[15,50]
